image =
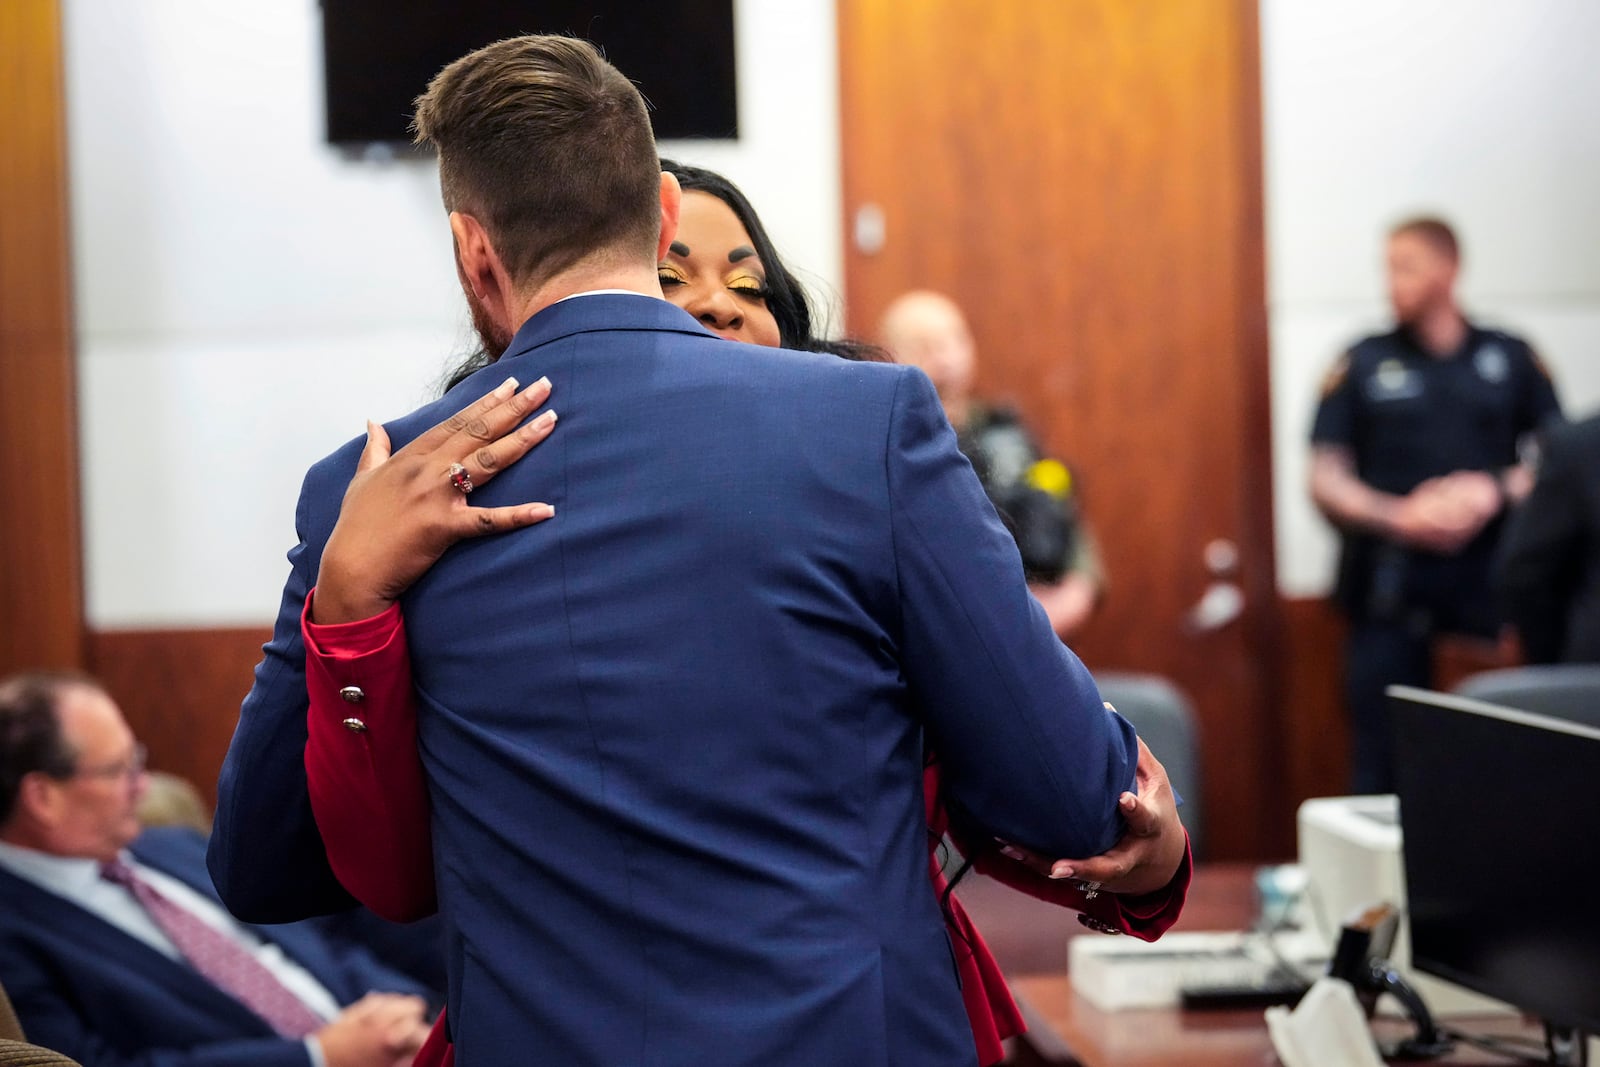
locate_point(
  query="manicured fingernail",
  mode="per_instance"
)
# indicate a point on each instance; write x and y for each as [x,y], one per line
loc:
[506,387]
[1129,802]
[1059,872]
[1011,852]
[545,381]
[545,420]
[541,511]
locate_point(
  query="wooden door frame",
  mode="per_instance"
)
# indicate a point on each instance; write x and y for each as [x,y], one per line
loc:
[41,544]
[1260,579]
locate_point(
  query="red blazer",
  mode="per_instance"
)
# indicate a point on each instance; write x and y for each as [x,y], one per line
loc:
[369,796]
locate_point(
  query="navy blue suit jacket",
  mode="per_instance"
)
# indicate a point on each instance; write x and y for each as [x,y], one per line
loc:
[87,989]
[674,737]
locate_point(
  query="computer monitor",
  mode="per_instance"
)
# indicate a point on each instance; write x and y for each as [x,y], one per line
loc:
[1501,810]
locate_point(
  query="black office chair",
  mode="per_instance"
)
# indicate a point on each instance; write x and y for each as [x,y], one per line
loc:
[1568,691]
[1165,719]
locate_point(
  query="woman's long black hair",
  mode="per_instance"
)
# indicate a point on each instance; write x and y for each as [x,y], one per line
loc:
[786,297]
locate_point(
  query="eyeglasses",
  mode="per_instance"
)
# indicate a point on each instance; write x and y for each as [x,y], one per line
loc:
[129,768]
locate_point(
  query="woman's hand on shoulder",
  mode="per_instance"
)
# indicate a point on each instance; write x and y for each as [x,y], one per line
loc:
[402,511]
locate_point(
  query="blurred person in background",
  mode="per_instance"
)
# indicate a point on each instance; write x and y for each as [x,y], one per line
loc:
[1415,456]
[170,800]
[1036,495]
[1548,573]
[113,945]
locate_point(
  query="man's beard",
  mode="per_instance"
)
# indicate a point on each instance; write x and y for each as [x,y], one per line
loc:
[494,338]
[492,344]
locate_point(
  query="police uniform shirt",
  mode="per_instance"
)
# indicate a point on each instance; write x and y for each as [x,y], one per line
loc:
[1407,416]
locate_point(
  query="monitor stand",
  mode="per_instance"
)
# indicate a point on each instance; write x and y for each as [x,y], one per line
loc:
[1427,1043]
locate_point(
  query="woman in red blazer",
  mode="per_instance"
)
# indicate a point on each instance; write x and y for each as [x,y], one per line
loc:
[367,786]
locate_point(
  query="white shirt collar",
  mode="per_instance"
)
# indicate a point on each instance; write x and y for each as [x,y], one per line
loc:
[606,292]
[68,876]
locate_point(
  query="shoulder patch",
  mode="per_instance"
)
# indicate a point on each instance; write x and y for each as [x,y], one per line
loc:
[1336,375]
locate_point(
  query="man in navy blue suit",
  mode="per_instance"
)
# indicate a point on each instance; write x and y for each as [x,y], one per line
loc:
[674,737]
[100,951]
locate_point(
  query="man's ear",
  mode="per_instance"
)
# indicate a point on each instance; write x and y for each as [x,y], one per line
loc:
[477,262]
[38,798]
[671,205]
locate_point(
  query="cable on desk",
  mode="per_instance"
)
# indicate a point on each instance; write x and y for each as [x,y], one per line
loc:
[1520,1049]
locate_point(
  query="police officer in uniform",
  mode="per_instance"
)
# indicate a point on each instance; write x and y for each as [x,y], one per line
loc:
[1035,494]
[1415,457]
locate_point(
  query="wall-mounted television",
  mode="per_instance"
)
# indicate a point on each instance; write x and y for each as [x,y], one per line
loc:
[379,54]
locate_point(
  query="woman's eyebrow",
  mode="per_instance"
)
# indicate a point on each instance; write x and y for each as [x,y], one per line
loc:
[743,252]
[678,248]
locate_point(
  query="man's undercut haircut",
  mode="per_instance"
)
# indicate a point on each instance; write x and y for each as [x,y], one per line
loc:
[1435,232]
[550,148]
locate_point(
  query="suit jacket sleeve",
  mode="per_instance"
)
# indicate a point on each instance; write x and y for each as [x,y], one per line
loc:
[367,788]
[265,855]
[1029,752]
[1536,571]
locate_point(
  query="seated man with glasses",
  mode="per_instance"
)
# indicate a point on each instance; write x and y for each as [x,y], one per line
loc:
[113,945]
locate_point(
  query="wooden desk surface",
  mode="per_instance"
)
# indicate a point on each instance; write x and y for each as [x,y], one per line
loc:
[1029,938]
[1064,1029]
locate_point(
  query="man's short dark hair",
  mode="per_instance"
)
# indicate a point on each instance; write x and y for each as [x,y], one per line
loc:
[549,147]
[30,730]
[1435,232]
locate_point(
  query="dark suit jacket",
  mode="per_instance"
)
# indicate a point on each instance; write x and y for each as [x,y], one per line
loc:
[674,737]
[1548,573]
[84,987]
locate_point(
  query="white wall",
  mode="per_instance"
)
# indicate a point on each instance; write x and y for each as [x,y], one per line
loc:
[1476,109]
[247,295]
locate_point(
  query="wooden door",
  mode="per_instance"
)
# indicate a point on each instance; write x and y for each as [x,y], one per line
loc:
[1084,177]
[41,562]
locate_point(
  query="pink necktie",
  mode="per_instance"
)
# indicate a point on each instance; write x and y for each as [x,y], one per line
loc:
[228,964]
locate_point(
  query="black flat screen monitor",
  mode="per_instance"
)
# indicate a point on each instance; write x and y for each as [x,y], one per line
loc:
[379,54]
[1500,827]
